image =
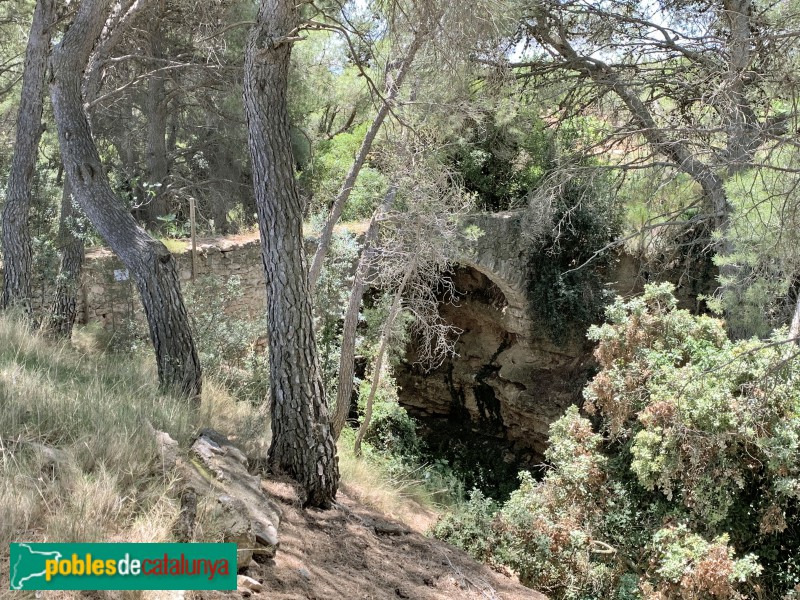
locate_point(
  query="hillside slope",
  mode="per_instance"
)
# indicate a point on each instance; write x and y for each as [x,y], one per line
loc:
[78,463]
[355,552]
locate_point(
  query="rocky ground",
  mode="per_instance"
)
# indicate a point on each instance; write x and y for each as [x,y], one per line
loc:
[351,552]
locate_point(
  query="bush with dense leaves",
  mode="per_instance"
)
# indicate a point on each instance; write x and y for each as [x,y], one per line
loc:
[226,342]
[690,487]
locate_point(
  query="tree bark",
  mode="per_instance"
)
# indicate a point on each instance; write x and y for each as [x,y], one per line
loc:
[344,392]
[386,335]
[393,88]
[302,442]
[150,263]
[17,250]
[71,249]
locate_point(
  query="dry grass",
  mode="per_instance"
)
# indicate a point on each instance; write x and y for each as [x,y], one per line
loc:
[77,461]
[176,246]
[368,481]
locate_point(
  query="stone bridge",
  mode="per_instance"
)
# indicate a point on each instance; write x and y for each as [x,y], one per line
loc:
[498,251]
[507,378]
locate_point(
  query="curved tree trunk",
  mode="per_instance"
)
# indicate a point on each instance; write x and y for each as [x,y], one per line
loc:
[149,262]
[17,251]
[302,443]
[386,335]
[347,357]
[71,249]
[393,87]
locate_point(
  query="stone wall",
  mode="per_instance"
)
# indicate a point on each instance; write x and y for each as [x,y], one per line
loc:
[108,297]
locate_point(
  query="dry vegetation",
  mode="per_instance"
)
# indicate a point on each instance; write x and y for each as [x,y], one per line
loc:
[78,461]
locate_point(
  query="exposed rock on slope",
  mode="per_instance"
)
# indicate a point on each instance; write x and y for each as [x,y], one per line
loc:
[343,553]
[243,512]
[351,552]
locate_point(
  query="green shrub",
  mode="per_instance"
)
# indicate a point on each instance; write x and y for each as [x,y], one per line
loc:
[712,428]
[574,221]
[550,532]
[471,526]
[690,490]
[392,430]
[392,442]
[226,341]
[689,565]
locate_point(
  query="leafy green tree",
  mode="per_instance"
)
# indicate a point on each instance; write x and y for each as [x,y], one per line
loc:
[693,87]
[764,240]
[504,153]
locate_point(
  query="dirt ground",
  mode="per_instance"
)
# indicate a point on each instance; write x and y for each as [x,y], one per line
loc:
[347,553]
[351,552]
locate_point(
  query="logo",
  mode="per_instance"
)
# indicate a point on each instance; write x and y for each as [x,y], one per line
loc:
[122,566]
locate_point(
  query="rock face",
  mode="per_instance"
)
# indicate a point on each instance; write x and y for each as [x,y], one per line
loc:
[505,380]
[508,379]
[242,510]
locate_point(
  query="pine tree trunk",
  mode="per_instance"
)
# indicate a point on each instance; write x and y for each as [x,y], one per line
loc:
[302,442]
[386,335]
[71,249]
[151,265]
[348,349]
[17,251]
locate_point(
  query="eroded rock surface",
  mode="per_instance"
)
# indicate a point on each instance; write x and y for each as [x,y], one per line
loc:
[505,380]
[243,511]
[508,378]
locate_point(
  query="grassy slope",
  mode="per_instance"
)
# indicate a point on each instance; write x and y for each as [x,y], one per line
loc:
[76,460]
[104,477]
[105,481]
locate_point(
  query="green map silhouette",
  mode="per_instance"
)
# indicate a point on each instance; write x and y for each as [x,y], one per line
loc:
[28,564]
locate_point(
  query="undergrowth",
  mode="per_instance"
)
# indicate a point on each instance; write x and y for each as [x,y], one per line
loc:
[402,490]
[78,461]
[686,485]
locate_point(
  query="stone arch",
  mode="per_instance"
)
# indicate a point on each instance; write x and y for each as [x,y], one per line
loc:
[493,245]
[508,378]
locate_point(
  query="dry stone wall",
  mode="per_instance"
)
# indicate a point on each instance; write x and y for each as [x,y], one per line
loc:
[109,297]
